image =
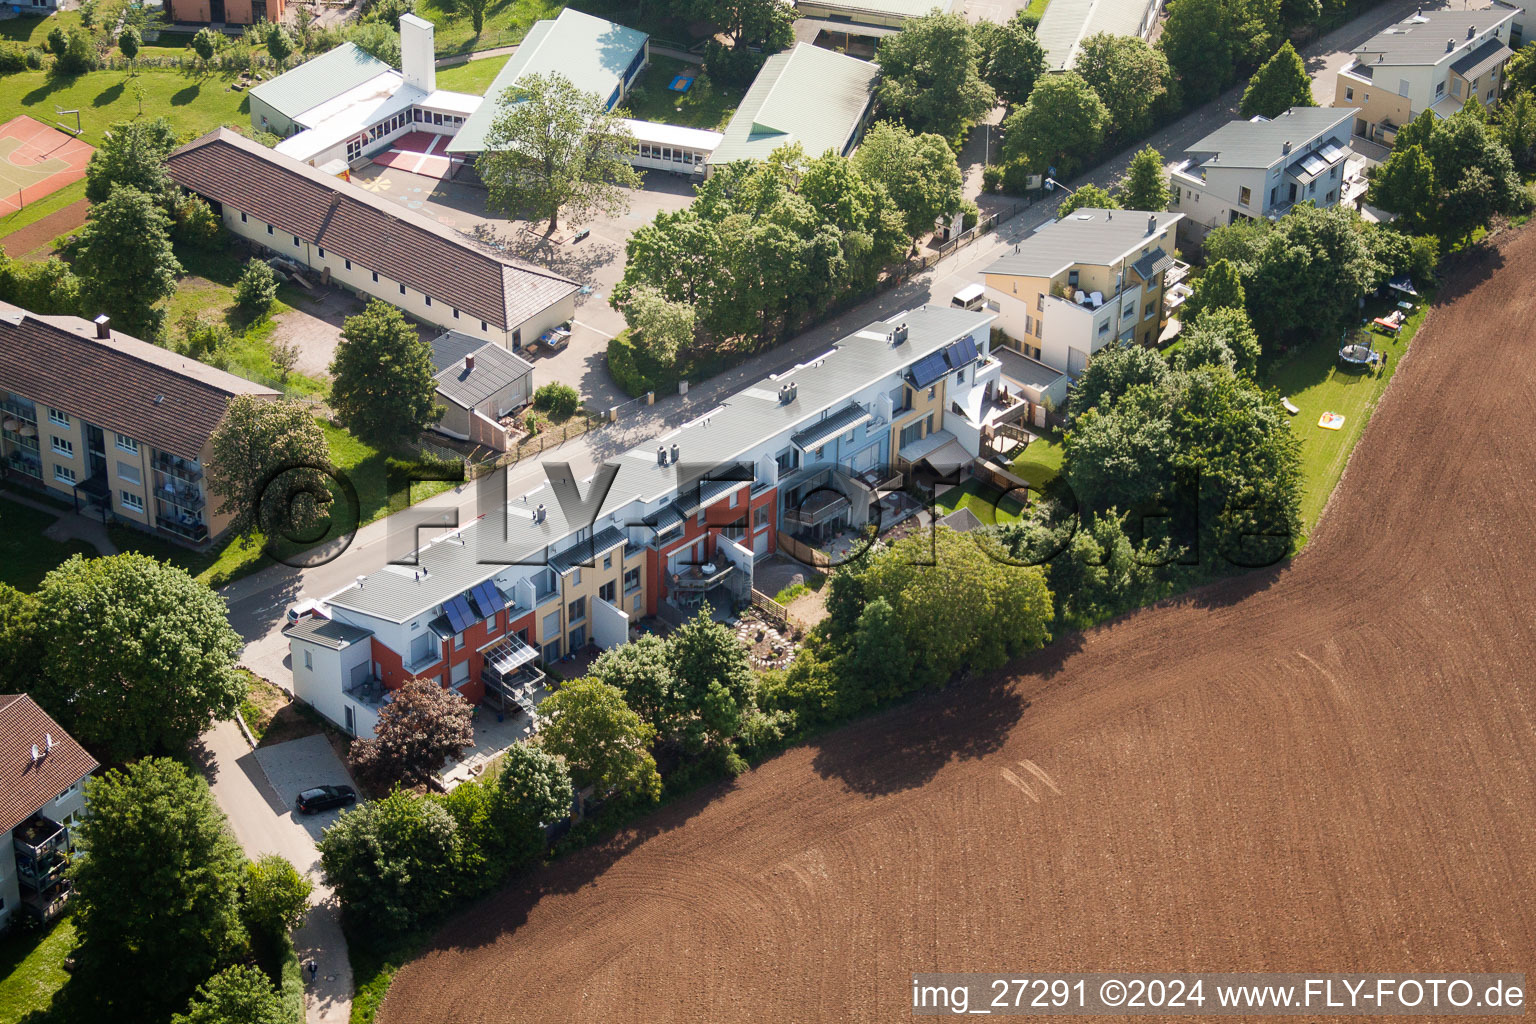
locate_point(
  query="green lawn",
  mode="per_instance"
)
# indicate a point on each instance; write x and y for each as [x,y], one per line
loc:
[702,106]
[474,77]
[26,556]
[32,968]
[1039,463]
[506,22]
[983,501]
[1036,9]
[1313,379]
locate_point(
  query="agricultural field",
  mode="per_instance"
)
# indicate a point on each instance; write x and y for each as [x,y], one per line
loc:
[1333,766]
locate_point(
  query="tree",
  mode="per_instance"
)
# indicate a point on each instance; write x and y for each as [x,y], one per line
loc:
[641,671]
[1007,608]
[748,22]
[1519,73]
[533,790]
[553,147]
[1219,287]
[878,659]
[79,54]
[256,290]
[1087,197]
[1015,60]
[387,859]
[1129,76]
[418,731]
[279,44]
[919,172]
[1464,142]
[206,43]
[276,897]
[382,388]
[1280,83]
[602,740]
[128,43]
[930,76]
[139,656]
[20,641]
[1229,325]
[1112,372]
[1405,185]
[659,325]
[157,886]
[377,40]
[124,260]
[1516,127]
[476,11]
[1146,182]
[58,42]
[1062,124]
[1099,573]
[268,468]
[1296,14]
[1197,40]
[713,680]
[236,995]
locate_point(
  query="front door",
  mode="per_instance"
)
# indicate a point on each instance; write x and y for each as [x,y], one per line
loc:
[216,11]
[349,719]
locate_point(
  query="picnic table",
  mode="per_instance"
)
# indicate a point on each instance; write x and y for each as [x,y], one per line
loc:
[1393,321]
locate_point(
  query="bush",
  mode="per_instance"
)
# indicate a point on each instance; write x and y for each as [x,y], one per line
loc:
[559,400]
[35,58]
[729,66]
[256,290]
[970,213]
[197,225]
[79,54]
[625,370]
[991,177]
[1016,175]
[12,59]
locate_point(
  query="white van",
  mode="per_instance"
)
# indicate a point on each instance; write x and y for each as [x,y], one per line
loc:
[972,297]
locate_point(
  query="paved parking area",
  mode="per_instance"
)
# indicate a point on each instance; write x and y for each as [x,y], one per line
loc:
[313,326]
[298,765]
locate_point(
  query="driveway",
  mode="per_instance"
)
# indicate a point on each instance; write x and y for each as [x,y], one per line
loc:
[313,327]
[301,764]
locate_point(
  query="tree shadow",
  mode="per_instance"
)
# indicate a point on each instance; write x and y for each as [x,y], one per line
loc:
[111,94]
[185,96]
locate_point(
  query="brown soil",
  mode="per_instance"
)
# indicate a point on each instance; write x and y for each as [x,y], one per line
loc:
[1329,766]
[43,231]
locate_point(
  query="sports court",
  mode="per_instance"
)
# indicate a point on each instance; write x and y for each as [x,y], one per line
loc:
[36,160]
[420,153]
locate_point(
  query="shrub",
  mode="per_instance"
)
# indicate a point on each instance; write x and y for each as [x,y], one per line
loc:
[256,290]
[12,59]
[970,213]
[197,225]
[559,400]
[35,58]
[991,178]
[625,370]
[79,54]
[58,42]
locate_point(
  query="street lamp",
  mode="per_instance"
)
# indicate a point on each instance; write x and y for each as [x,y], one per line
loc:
[1052,184]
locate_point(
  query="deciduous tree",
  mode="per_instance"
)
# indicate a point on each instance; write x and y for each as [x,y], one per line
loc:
[382,386]
[1280,83]
[1129,76]
[1197,39]
[256,290]
[156,886]
[1231,326]
[21,647]
[139,656]
[1062,125]
[236,995]
[552,147]
[919,172]
[1405,185]
[1087,197]
[659,325]
[268,468]
[1146,182]
[388,860]
[124,260]
[605,743]
[276,898]
[418,731]
[1014,61]
[1219,287]
[930,76]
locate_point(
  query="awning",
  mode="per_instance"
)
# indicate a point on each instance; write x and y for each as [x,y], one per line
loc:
[840,422]
[939,449]
[508,655]
[971,404]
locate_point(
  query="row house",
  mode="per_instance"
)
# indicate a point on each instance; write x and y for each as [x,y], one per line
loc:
[42,772]
[662,529]
[116,425]
[1262,167]
[1433,60]
[372,246]
[1078,284]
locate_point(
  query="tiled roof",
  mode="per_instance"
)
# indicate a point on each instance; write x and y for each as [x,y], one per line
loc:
[1091,237]
[495,369]
[1421,38]
[807,95]
[136,389]
[383,236]
[327,632]
[317,80]
[25,785]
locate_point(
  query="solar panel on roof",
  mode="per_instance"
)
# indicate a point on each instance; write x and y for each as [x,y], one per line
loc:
[486,598]
[961,353]
[455,617]
[465,613]
[929,369]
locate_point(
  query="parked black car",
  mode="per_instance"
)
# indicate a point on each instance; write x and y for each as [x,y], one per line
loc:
[323,798]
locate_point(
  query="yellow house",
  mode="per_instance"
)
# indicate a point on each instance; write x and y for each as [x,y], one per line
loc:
[1093,277]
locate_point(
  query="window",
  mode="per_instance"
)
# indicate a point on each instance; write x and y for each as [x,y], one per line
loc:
[1440,89]
[632,580]
[309,660]
[607,561]
[63,447]
[242,218]
[1333,173]
[1040,303]
[1329,197]
[428,298]
[1128,312]
[517,338]
[607,591]
[128,444]
[932,391]
[376,277]
[1245,195]
[129,472]
[760,516]
[295,241]
[1402,87]
[1151,308]
[55,416]
[1029,324]
[911,433]
[736,495]
[786,460]
[1349,93]
[402,289]
[576,578]
[482,325]
[269,229]
[458,641]
[577,610]
[930,424]
[322,252]
[132,501]
[455,314]
[348,263]
[960,377]
[1103,328]
[636,603]
[64,475]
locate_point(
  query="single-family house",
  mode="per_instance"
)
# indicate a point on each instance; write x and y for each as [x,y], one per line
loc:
[1089,279]
[1262,167]
[478,382]
[1433,60]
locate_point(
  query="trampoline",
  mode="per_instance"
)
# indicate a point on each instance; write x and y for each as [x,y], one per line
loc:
[1359,352]
[680,83]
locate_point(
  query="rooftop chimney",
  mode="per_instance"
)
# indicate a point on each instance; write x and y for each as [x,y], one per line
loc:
[416,56]
[538,513]
[1450,44]
[901,333]
[1286,148]
[1152,224]
[469,362]
[661,455]
[360,581]
[1470,31]
[104,327]
[674,454]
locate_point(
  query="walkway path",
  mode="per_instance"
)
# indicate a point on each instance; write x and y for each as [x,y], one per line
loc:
[69,525]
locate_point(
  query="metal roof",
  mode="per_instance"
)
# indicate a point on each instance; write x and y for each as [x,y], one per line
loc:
[495,370]
[805,94]
[1066,23]
[1483,59]
[1263,142]
[822,431]
[584,553]
[1152,264]
[884,8]
[484,548]
[1091,237]
[318,80]
[591,52]
[1421,39]
[673,135]
[327,632]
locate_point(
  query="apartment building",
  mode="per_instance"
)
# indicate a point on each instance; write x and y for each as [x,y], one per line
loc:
[666,526]
[1434,60]
[1090,278]
[41,797]
[1262,167]
[370,245]
[111,423]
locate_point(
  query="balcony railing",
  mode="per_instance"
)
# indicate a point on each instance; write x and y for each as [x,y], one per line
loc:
[702,577]
[21,410]
[177,467]
[195,532]
[821,508]
[368,691]
[168,490]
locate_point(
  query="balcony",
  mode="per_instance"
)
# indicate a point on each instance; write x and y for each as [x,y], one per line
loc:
[24,411]
[703,577]
[368,691]
[177,467]
[41,847]
[511,674]
[183,527]
[820,507]
[173,491]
